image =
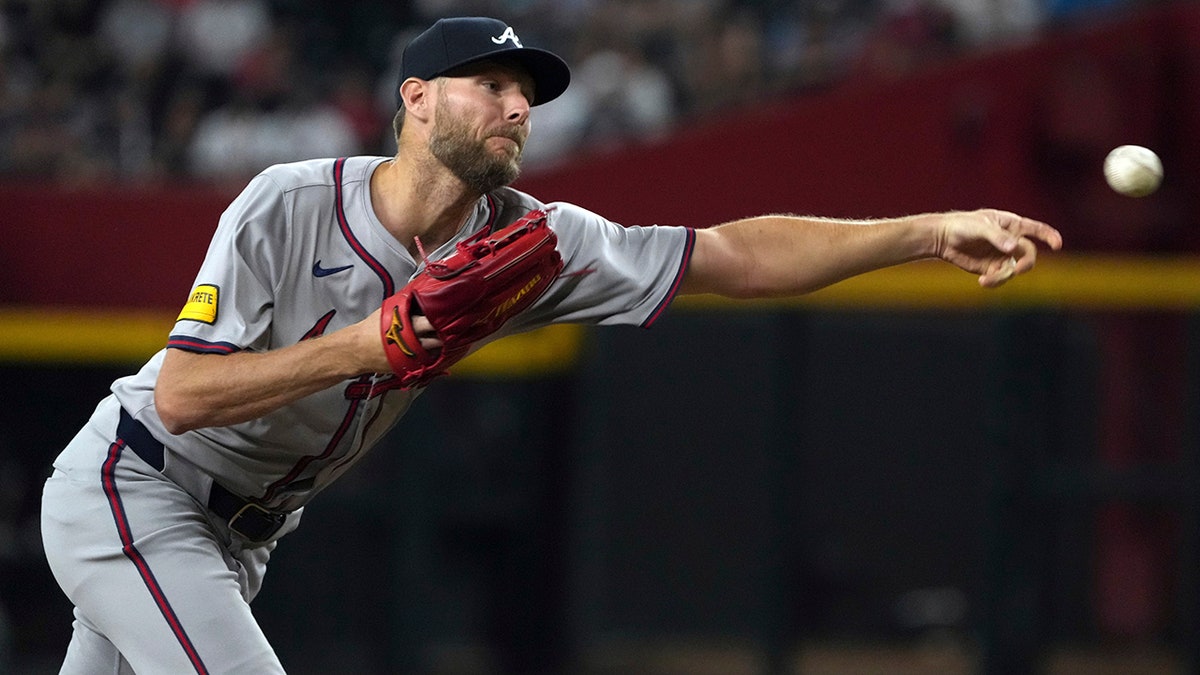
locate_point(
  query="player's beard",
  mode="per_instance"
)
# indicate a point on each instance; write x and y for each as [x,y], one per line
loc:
[482,170]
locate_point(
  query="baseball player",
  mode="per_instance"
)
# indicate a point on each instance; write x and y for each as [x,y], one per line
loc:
[160,515]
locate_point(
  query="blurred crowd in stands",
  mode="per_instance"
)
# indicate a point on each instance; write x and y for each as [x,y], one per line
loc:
[143,90]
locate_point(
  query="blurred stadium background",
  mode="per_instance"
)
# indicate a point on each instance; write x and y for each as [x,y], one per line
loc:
[900,474]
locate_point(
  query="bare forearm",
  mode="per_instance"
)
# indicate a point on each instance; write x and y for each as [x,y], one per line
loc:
[773,256]
[204,390]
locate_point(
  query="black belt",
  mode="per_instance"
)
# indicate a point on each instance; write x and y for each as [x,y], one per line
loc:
[247,518]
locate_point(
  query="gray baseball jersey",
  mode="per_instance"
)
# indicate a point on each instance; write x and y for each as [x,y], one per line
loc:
[299,253]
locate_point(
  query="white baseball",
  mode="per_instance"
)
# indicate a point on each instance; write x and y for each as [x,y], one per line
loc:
[1133,171]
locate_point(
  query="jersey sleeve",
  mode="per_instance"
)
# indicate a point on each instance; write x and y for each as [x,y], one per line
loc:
[613,274]
[230,305]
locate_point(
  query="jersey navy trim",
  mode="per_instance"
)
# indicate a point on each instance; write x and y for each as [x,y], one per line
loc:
[108,480]
[299,467]
[194,344]
[688,246]
[493,221]
[389,286]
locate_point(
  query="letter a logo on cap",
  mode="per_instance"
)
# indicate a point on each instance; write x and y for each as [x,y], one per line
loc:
[508,34]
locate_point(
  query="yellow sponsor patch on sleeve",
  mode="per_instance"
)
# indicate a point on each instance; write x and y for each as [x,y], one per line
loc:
[201,305]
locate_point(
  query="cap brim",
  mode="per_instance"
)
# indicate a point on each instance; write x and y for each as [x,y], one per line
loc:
[550,74]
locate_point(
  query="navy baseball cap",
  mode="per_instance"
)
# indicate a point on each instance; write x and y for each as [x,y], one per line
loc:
[450,43]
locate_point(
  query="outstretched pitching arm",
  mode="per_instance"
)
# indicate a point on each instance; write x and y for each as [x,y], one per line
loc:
[776,256]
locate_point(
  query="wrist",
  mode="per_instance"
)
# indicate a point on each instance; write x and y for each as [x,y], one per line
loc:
[349,352]
[927,235]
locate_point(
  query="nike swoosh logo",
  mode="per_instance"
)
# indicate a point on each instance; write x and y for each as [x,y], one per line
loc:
[319,271]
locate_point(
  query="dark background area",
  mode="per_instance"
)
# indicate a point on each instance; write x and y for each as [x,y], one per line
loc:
[735,490]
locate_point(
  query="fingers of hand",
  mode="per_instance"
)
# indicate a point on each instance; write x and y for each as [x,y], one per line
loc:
[1000,272]
[1018,237]
[1029,228]
[1023,258]
[425,331]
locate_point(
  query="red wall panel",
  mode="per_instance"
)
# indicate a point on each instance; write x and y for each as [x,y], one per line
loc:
[1024,129]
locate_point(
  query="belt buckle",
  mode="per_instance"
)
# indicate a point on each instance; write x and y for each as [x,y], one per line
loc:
[273,521]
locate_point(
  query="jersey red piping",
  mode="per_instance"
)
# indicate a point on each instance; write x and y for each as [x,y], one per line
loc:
[683,265]
[389,286]
[108,480]
[388,289]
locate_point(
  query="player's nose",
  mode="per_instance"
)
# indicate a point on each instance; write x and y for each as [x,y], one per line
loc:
[517,107]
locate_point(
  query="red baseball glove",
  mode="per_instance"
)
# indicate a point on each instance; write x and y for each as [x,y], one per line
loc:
[469,295]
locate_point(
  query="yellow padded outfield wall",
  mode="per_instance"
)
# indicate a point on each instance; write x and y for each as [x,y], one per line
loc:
[1086,283]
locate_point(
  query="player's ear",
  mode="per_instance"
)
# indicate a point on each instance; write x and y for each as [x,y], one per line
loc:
[417,96]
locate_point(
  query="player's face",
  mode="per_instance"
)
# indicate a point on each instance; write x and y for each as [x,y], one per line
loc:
[481,124]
